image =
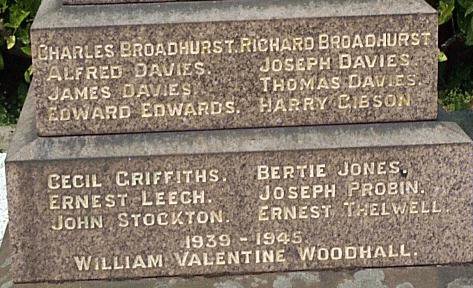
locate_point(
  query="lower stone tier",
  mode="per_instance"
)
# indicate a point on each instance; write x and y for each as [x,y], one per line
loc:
[459,276]
[238,201]
[463,118]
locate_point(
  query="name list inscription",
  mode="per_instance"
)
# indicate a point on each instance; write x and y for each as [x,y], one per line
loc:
[194,81]
[289,197]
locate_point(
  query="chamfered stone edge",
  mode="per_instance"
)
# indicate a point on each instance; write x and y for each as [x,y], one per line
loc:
[53,14]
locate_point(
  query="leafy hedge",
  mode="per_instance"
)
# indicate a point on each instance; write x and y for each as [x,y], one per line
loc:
[456,42]
[16,17]
[459,14]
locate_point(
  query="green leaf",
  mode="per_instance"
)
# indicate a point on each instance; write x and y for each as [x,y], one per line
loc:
[23,35]
[11,40]
[27,74]
[30,5]
[2,63]
[3,5]
[469,10]
[17,16]
[446,8]
[462,22]
[469,32]
[442,57]
[26,50]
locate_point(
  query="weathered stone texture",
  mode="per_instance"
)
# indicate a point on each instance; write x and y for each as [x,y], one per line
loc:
[433,159]
[457,276]
[91,2]
[166,67]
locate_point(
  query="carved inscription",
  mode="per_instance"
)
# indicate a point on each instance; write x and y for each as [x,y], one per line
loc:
[282,201]
[306,76]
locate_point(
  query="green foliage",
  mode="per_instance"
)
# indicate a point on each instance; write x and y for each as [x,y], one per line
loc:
[16,17]
[446,8]
[465,19]
[5,116]
[459,78]
[442,57]
[456,58]
[456,99]
[460,14]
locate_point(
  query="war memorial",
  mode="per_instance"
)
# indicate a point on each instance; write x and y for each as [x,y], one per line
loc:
[210,140]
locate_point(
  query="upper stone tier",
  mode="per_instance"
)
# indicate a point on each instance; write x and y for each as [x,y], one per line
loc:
[232,64]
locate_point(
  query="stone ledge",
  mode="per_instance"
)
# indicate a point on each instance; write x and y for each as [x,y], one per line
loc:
[460,276]
[52,13]
[462,118]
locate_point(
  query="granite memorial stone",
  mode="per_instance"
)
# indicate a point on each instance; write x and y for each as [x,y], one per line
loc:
[232,64]
[90,2]
[238,201]
[451,276]
[235,201]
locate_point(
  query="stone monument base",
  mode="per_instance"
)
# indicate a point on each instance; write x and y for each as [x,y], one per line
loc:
[403,277]
[328,197]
